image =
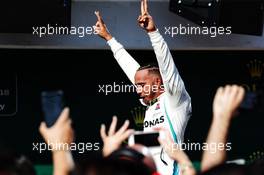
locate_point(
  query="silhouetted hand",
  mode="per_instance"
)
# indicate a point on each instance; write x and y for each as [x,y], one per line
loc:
[113,140]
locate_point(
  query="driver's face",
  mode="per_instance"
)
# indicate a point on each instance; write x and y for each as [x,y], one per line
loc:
[144,82]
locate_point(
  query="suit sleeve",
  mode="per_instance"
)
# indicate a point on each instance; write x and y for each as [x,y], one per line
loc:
[173,84]
[128,64]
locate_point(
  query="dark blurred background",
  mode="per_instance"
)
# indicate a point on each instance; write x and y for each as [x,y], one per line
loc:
[80,72]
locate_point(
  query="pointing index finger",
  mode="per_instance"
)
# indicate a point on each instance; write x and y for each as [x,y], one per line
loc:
[99,18]
[142,8]
[145,6]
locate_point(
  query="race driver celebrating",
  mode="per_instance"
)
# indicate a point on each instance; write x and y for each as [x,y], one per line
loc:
[159,87]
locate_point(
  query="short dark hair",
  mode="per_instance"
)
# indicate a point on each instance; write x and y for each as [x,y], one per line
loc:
[151,67]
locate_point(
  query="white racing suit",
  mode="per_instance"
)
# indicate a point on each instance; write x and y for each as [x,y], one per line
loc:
[172,109]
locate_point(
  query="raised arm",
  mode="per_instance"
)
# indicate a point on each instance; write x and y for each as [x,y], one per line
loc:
[173,83]
[124,59]
[226,101]
[61,136]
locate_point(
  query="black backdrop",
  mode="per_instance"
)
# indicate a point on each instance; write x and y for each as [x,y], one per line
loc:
[80,72]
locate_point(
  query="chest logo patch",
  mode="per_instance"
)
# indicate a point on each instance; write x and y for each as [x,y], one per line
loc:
[154,122]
